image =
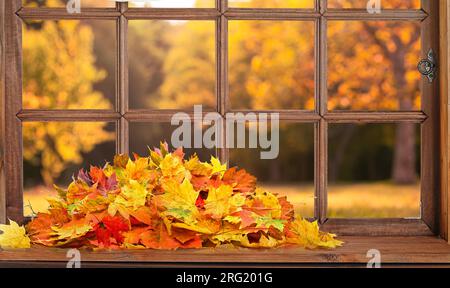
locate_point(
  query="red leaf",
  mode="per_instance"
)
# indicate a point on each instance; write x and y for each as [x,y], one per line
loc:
[116,225]
[103,236]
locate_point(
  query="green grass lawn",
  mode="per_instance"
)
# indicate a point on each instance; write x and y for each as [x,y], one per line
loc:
[364,200]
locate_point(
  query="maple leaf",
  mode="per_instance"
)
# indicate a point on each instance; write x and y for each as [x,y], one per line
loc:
[200,183]
[198,168]
[264,204]
[62,193]
[179,153]
[143,214]
[240,180]
[91,203]
[203,226]
[172,167]
[217,167]
[121,160]
[14,236]
[218,202]
[111,227]
[307,234]
[79,190]
[287,209]
[133,236]
[39,229]
[97,176]
[138,170]
[71,231]
[159,239]
[179,201]
[133,194]
[246,238]
[267,222]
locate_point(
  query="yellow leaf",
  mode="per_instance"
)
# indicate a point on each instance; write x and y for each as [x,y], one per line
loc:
[14,236]
[179,201]
[196,167]
[218,202]
[307,234]
[133,195]
[233,219]
[269,201]
[71,231]
[242,237]
[172,167]
[217,167]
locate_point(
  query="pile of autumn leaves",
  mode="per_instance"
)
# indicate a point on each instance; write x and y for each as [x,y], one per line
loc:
[166,202]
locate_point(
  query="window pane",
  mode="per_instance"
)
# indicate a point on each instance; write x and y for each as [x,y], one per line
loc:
[374,171]
[373,65]
[149,135]
[290,174]
[391,4]
[271,64]
[63,3]
[172,64]
[173,3]
[54,151]
[69,64]
[271,3]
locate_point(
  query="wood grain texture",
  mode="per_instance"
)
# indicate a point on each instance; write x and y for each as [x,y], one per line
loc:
[387,14]
[2,114]
[394,250]
[444,73]
[29,13]
[321,171]
[374,117]
[12,136]
[377,227]
[430,150]
[122,92]
[67,115]
[172,13]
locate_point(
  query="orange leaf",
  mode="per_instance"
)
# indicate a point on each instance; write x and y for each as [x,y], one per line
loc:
[240,180]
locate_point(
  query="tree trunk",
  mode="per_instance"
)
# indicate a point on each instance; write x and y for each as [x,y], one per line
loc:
[403,170]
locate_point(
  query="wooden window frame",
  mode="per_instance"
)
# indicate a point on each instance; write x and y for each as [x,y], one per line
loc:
[433,118]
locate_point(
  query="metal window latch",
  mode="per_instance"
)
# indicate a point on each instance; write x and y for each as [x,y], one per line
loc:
[428,67]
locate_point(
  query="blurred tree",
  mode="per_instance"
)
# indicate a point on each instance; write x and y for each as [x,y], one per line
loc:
[148,46]
[371,67]
[59,72]
[189,66]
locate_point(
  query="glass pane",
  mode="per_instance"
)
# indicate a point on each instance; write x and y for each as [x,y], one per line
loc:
[373,65]
[69,64]
[54,151]
[290,174]
[172,64]
[271,64]
[63,3]
[271,3]
[374,171]
[149,135]
[391,4]
[173,3]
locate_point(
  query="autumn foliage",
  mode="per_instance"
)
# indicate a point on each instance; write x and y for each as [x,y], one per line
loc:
[165,201]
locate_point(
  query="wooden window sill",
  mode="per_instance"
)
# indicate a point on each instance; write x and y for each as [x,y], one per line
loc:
[394,251]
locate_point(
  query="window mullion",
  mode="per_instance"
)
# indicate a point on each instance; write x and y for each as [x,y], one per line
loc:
[122,143]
